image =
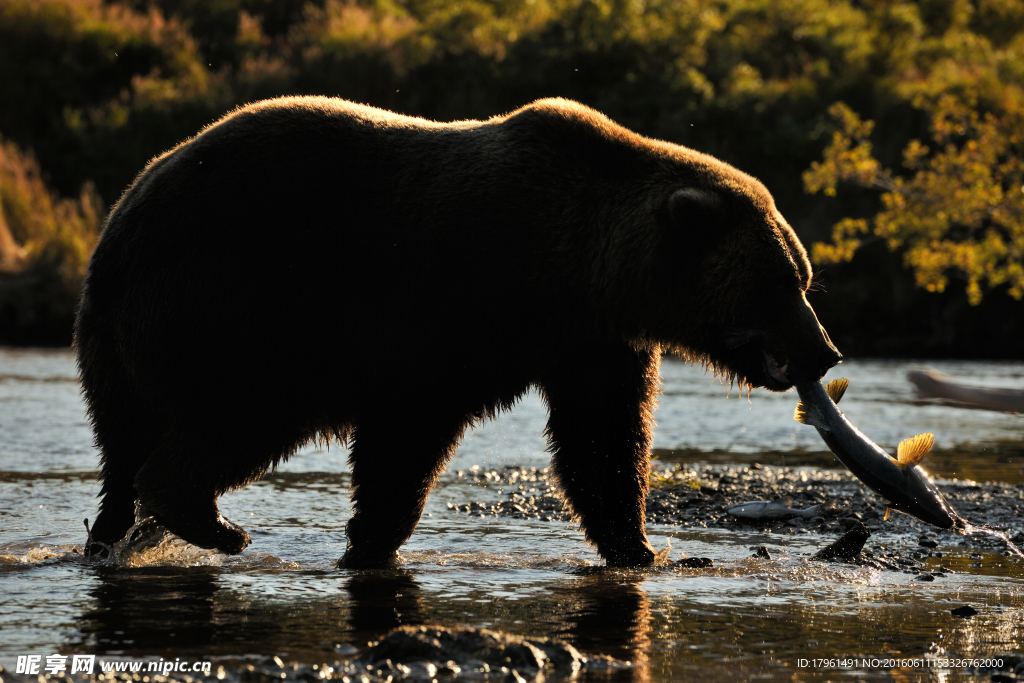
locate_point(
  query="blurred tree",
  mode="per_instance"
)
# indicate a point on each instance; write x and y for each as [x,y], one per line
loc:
[961,212]
[95,88]
[45,244]
[69,68]
[957,211]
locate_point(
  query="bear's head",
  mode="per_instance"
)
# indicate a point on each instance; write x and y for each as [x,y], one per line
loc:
[684,252]
[731,279]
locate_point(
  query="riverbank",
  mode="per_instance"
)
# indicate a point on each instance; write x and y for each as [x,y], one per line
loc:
[698,497]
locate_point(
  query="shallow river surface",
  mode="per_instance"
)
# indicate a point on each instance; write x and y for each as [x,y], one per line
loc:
[742,619]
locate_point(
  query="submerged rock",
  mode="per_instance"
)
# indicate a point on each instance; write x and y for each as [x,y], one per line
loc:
[454,650]
[965,611]
[695,562]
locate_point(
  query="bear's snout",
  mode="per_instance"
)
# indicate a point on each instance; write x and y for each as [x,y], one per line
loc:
[807,345]
[829,357]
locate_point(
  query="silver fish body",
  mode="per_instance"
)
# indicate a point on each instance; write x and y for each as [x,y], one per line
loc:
[779,509]
[909,489]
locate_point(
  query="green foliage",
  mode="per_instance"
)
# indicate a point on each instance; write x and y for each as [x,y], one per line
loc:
[45,243]
[77,74]
[37,226]
[97,87]
[958,209]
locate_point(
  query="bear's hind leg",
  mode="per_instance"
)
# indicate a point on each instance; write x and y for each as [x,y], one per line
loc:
[393,470]
[117,506]
[180,483]
[125,429]
[600,426]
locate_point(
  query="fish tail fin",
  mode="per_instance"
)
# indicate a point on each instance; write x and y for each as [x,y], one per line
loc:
[808,414]
[911,451]
[836,388]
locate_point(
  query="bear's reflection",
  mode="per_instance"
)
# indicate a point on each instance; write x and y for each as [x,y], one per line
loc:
[181,611]
[383,599]
[607,612]
[603,612]
[151,610]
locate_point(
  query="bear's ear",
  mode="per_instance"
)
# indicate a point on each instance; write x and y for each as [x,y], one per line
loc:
[693,208]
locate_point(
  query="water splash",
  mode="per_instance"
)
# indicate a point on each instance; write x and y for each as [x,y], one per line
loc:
[38,554]
[148,543]
[965,528]
[968,529]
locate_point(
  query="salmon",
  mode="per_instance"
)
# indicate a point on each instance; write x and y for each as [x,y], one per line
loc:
[780,509]
[900,480]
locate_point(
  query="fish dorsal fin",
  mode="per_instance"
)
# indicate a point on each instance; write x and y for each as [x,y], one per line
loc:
[836,388]
[787,501]
[912,451]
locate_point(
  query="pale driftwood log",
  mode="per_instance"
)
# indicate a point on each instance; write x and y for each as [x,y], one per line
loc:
[933,384]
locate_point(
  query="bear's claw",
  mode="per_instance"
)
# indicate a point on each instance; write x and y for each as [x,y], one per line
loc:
[230,538]
[219,534]
[187,511]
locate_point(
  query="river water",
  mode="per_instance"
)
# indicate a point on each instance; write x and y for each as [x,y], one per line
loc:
[741,619]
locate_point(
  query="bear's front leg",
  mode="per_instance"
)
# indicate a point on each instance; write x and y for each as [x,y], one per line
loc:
[601,402]
[395,463]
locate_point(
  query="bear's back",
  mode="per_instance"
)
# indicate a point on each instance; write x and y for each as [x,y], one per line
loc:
[314,211]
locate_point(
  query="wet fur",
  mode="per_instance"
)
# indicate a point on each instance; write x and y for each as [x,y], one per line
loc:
[310,268]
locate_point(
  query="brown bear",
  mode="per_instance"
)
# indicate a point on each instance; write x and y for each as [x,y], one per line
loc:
[307,267]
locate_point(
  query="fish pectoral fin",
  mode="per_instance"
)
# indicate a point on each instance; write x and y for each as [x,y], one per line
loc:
[912,451]
[888,513]
[809,415]
[836,388]
[810,512]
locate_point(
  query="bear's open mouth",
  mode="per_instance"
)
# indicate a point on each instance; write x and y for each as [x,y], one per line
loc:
[755,358]
[774,370]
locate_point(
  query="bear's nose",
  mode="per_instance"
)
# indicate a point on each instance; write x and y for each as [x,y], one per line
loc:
[829,358]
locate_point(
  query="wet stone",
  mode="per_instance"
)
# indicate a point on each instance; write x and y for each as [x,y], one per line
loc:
[963,612]
[439,648]
[689,497]
[694,562]
[848,547]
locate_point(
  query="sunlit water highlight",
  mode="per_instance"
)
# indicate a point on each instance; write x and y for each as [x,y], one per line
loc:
[742,618]
[972,530]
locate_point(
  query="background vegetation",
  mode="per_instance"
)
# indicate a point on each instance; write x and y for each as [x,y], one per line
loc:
[889,131]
